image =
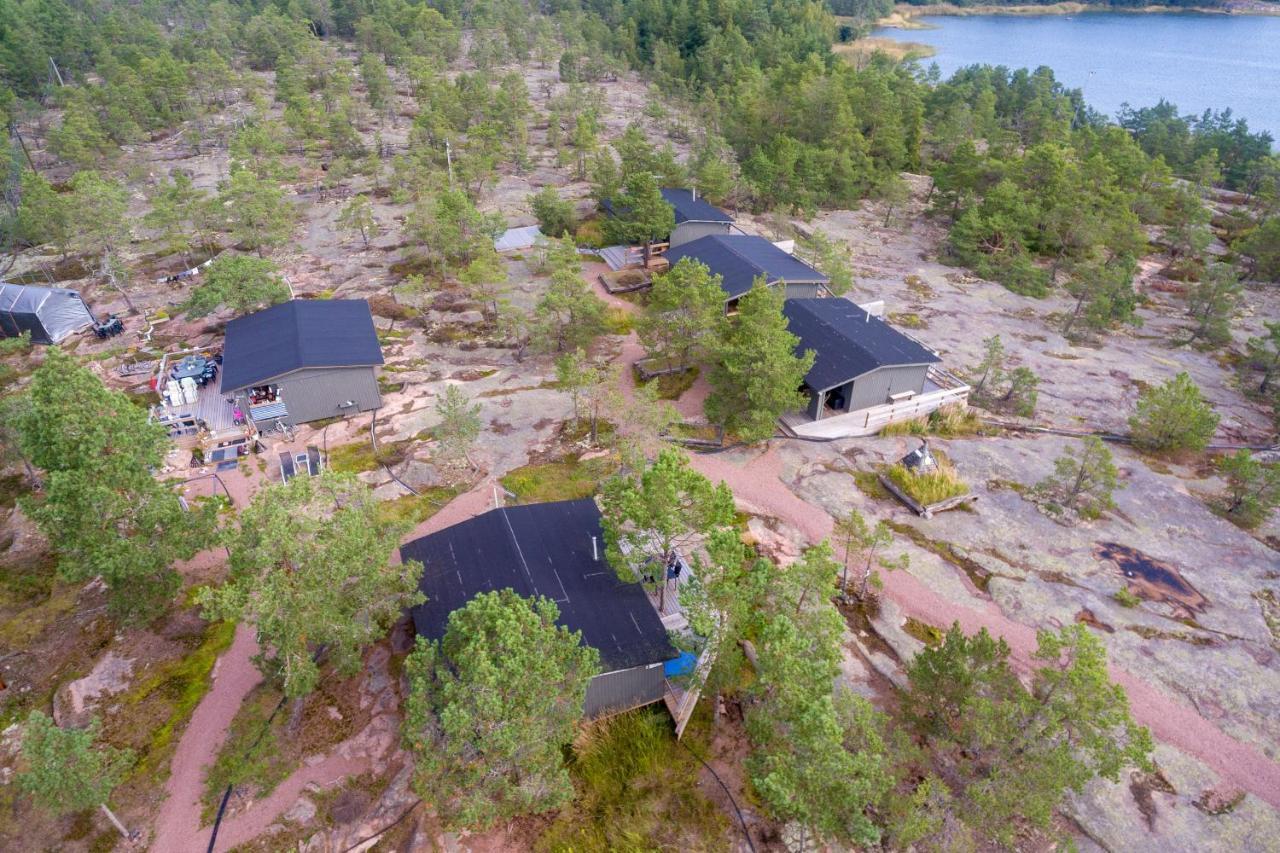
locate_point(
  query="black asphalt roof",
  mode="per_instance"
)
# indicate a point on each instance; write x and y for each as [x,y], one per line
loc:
[688,208]
[848,341]
[295,335]
[740,258]
[540,549]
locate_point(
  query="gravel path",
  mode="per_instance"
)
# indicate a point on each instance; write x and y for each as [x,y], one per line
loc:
[759,484]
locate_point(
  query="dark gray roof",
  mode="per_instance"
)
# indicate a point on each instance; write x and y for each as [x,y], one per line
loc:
[688,208]
[540,549]
[295,335]
[848,341]
[740,258]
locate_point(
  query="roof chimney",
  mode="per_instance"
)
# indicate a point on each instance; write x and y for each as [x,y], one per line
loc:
[595,555]
[694,192]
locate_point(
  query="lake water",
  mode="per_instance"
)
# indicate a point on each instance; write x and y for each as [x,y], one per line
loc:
[1197,61]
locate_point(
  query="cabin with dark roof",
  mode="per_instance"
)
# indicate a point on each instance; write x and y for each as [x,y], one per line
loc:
[555,550]
[695,217]
[303,360]
[740,259]
[861,361]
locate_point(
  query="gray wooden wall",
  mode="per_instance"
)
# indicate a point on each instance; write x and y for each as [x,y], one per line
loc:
[624,689]
[874,388]
[312,395]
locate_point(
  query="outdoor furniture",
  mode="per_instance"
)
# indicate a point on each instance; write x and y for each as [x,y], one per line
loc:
[191,366]
[313,460]
[287,470]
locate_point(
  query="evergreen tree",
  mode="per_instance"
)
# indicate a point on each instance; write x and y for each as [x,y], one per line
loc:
[655,514]
[569,315]
[102,510]
[357,217]
[492,706]
[756,375]
[1082,482]
[176,209]
[1262,362]
[242,283]
[684,316]
[1009,752]
[861,542]
[555,215]
[1173,416]
[1212,304]
[1253,488]
[67,770]
[640,214]
[259,216]
[459,425]
[311,571]
[1262,246]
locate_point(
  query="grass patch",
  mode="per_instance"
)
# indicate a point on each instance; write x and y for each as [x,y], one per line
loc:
[671,386]
[908,320]
[589,235]
[618,320]
[930,635]
[568,479]
[31,599]
[415,509]
[868,482]
[248,756]
[181,684]
[947,422]
[359,455]
[930,487]
[637,789]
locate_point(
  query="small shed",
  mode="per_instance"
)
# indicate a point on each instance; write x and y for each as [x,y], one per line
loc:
[739,259]
[861,361]
[303,360]
[555,550]
[50,314]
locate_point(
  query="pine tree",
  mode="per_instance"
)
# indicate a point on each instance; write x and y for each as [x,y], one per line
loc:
[756,375]
[357,217]
[861,542]
[1213,303]
[1010,752]
[67,770]
[684,316]
[311,571]
[242,283]
[102,510]
[1173,416]
[492,706]
[459,425]
[258,215]
[1253,488]
[1082,481]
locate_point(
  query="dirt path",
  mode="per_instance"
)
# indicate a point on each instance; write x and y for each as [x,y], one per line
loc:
[234,675]
[759,484]
[178,823]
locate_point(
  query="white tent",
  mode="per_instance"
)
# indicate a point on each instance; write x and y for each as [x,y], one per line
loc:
[515,239]
[48,313]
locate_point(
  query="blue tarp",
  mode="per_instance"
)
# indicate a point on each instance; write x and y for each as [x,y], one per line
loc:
[683,665]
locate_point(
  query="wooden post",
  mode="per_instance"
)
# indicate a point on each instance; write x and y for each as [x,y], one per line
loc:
[115,821]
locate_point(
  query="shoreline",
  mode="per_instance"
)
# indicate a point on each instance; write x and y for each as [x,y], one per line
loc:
[904,16]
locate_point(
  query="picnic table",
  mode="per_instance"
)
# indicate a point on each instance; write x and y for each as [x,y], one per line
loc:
[192,366]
